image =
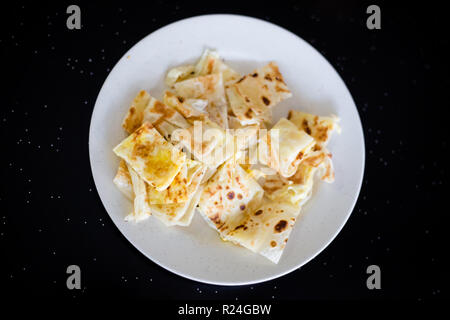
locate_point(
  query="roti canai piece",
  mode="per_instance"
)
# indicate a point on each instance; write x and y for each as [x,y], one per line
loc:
[209,87]
[266,230]
[227,196]
[320,128]
[210,63]
[182,187]
[157,112]
[170,214]
[284,147]
[180,213]
[179,73]
[141,210]
[252,96]
[297,189]
[155,160]
[123,180]
[135,114]
[208,142]
[189,108]
[177,214]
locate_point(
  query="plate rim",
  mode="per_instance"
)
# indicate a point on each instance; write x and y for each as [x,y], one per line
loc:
[279,274]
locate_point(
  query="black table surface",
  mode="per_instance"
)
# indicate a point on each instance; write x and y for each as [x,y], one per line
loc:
[52,216]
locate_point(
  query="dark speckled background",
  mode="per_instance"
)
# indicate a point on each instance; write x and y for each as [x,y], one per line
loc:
[51,215]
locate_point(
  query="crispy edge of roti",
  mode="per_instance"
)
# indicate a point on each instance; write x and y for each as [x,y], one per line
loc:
[319,127]
[134,116]
[122,180]
[179,73]
[141,209]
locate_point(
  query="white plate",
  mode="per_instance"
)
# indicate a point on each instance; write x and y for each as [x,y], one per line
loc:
[196,252]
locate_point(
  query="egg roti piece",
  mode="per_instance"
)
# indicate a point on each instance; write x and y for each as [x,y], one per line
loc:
[141,209]
[227,196]
[286,145]
[123,180]
[134,116]
[257,92]
[182,187]
[151,156]
[208,87]
[320,128]
[266,230]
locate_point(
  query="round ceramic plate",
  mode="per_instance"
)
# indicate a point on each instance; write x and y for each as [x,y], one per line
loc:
[196,252]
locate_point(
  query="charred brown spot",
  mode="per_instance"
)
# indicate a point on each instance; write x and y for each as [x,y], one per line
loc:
[257,213]
[268,77]
[316,147]
[215,218]
[248,113]
[299,156]
[273,243]
[265,100]
[289,115]
[242,207]
[230,195]
[239,227]
[241,79]
[306,126]
[132,110]
[210,66]
[247,99]
[181,99]
[285,240]
[280,226]
[255,75]
[239,196]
